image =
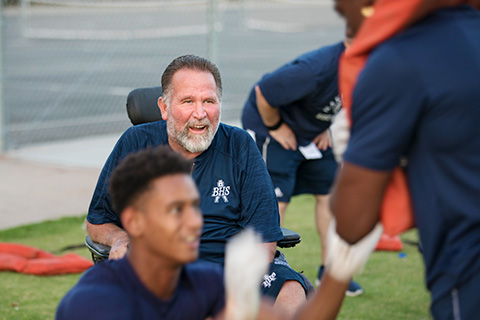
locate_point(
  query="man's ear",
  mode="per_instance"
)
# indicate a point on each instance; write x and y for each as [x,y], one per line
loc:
[133,221]
[163,108]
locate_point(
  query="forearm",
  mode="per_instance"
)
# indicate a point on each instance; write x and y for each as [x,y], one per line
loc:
[326,302]
[107,233]
[271,247]
[356,200]
[270,115]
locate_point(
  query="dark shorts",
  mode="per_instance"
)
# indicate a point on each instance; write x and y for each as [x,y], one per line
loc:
[460,303]
[280,272]
[292,174]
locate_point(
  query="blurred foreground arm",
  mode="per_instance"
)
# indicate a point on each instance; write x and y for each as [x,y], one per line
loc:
[271,248]
[246,261]
[357,197]
[326,302]
[343,262]
[356,200]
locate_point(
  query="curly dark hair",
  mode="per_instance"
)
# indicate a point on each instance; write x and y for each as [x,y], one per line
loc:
[135,173]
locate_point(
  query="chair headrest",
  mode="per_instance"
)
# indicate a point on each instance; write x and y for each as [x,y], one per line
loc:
[142,105]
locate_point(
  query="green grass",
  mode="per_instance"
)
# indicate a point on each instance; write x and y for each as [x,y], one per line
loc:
[33,297]
[394,288]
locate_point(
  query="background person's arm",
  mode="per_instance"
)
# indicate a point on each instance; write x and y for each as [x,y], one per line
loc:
[271,116]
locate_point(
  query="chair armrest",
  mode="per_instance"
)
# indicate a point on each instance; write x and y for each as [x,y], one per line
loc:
[290,238]
[99,251]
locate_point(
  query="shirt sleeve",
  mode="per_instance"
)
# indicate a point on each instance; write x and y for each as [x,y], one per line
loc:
[288,83]
[101,209]
[387,103]
[92,298]
[258,201]
[93,303]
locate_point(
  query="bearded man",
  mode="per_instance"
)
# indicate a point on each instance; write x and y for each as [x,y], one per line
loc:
[235,188]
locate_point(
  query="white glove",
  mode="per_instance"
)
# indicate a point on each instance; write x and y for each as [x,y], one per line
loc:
[340,130]
[345,260]
[246,261]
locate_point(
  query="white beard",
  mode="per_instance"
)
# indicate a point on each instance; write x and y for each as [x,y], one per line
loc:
[192,142]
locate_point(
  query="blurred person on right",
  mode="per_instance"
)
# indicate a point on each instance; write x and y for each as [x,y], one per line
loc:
[410,87]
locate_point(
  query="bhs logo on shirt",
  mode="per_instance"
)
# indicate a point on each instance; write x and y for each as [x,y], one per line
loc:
[221,191]
[329,111]
[268,279]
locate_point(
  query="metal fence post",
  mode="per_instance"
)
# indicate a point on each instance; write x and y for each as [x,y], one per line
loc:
[212,32]
[3,118]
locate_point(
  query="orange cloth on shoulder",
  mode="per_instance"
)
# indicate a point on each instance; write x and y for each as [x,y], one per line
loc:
[30,260]
[390,17]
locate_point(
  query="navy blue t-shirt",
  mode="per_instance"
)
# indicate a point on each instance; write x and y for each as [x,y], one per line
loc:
[419,96]
[112,290]
[306,92]
[231,176]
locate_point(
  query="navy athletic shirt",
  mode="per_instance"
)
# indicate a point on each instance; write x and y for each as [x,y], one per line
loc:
[306,92]
[419,95]
[112,290]
[235,188]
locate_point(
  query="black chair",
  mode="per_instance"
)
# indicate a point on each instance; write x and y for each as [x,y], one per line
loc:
[142,107]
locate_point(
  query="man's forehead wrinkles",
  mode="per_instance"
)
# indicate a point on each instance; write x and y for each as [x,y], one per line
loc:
[206,96]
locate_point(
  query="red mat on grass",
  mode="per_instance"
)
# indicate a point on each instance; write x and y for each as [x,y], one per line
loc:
[30,260]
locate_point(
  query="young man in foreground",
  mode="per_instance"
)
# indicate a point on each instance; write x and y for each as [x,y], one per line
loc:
[158,204]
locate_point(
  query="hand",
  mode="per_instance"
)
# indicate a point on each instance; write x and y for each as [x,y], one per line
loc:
[119,249]
[340,129]
[285,136]
[323,140]
[345,260]
[246,262]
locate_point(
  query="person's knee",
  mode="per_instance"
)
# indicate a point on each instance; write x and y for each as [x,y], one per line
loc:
[291,297]
[322,198]
[323,213]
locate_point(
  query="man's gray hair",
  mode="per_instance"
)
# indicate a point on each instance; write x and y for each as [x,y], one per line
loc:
[190,62]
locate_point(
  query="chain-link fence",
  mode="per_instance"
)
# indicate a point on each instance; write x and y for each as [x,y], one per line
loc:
[68,66]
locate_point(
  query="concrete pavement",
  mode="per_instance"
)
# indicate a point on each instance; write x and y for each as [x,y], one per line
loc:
[50,181]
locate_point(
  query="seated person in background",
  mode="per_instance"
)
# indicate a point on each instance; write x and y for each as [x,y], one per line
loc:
[158,205]
[234,185]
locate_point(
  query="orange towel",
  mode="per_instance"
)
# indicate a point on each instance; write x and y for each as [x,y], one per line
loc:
[30,260]
[389,243]
[390,17]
